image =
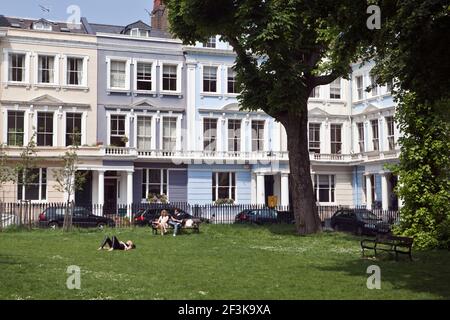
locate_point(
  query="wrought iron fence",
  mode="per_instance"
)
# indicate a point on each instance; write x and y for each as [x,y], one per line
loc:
[46,215]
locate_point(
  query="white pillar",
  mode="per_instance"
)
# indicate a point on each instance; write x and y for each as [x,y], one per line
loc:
[190,105]
[384,192]
[253,186]
[129,192]
[101,192]
[284,201]
[260,191]
[369,191]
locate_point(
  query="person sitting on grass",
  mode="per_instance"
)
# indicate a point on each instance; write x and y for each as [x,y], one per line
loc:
[115,244]
[162,222]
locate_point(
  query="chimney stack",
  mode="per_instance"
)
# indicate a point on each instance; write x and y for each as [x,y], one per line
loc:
[160,20]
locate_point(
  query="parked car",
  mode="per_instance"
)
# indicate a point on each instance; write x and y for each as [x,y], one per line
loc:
[358,221]
[53,217]
[257,216]
[145,216]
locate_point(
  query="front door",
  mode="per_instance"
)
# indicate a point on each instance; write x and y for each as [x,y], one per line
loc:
[110,196]
[268,187]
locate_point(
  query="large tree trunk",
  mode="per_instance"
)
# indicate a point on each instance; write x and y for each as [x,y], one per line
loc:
[303,199]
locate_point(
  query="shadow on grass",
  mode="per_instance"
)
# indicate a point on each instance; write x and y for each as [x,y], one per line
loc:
[427,273]
[8,260]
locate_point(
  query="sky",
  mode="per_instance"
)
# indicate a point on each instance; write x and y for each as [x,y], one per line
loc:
[118,12]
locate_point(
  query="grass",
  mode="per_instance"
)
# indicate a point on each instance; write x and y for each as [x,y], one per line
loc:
[222,262]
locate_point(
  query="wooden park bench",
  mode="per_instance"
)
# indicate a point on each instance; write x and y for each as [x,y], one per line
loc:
[389,243]
[195,227]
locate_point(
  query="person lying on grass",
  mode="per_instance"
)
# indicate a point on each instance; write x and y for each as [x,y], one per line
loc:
[115,244]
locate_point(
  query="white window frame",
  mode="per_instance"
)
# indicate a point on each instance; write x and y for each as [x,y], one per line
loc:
[5,125]
[264,136]
[208,42]
[375,89]
[147,61]
[219,79]
[217,133]
[84,83]
[226,83]
[55,127]
[341,125]
[152,130]
[358,135]
[309,136]
[230,186]
[145,171]
[83,125]
[387,133]
[41,199]
[338,80]
[55,69]
[331,187]
[218,71]
[177,133]
[6,54]
[357,89]
[179,66]
[378,133]
[45,26]
[127,126]
[240,138]
[127,74]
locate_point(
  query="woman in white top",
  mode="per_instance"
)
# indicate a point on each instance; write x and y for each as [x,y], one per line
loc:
[163,222]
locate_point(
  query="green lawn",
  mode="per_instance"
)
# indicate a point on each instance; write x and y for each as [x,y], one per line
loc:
[222,262]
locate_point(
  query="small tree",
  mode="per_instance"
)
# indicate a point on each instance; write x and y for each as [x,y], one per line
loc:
[69,180]
[6,172]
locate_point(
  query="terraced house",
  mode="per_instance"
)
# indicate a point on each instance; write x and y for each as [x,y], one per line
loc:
[155,117]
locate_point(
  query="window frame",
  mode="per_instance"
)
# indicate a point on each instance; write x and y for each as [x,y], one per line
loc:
[212,81]
[15,132]
[117,134]
[215,185]
[46,133]
[236,140]
[359,89]
[56,58]
[210,44]
[331,187]
[212,139]
[43,196]
[360,128]
[179,67]
[148,118]
[163,184]
[334,87]
[260,141]
[334,142]
[7,66]
[233,82]
[314,124]
[84,74]
[80,134]
[375,140]
[162,137]
[153,63]
[390,136]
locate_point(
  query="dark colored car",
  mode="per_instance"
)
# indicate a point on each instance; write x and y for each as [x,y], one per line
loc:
[257,216]
[358,221]
[144,217]
[54,217]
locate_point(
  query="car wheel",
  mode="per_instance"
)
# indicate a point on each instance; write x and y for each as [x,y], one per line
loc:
[53,225]
[101,225]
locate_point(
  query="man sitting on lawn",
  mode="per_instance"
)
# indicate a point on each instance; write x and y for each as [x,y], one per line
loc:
[176,221]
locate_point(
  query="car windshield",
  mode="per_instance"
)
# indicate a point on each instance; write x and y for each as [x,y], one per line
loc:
[366,215]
